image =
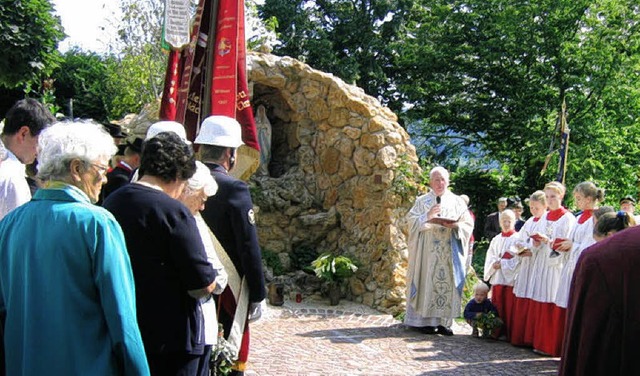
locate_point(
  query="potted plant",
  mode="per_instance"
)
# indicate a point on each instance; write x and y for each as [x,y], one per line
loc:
[334,270]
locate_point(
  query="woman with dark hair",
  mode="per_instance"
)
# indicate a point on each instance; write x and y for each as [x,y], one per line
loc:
[612,222]
[169,262]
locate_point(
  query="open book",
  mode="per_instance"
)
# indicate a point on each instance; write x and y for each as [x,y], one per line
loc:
[442,221]
[519,248]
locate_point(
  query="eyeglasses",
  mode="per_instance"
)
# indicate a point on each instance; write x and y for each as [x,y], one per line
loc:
[102,170]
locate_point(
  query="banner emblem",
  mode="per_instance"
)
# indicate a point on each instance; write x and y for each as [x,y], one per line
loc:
[224,47]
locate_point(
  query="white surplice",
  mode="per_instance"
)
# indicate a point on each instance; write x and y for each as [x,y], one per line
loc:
[525,270]
[582,238]
[547,277]
[499,246]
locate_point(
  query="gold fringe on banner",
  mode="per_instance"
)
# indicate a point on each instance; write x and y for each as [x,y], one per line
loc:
[247,162]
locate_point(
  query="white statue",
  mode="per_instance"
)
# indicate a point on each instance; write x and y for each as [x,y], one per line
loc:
[264,139]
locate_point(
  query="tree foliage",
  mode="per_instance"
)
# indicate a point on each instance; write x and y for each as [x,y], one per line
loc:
[29,36]
[138,75]
[135,79]
[498,72]
[479,84]
[80,85]
[349,38]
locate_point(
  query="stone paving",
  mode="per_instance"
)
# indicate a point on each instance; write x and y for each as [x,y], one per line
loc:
[313,338]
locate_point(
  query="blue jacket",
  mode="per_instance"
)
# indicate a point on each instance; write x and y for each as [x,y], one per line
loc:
[474,307]
[67,290]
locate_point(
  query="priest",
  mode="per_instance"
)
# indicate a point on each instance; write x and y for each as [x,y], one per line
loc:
[439,230]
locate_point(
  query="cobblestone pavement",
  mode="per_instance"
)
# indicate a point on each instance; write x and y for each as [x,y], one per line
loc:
[313,338]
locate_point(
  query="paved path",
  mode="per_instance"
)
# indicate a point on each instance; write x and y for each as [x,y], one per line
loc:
[313,338]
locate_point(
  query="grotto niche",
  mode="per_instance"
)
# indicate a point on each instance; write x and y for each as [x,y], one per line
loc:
[333,183]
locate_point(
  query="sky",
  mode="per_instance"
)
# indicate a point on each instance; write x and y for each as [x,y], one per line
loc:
[88,23]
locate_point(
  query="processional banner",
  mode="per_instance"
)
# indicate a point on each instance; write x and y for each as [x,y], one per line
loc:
[208,77]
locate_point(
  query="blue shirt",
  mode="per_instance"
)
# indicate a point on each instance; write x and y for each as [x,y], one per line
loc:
[67,290]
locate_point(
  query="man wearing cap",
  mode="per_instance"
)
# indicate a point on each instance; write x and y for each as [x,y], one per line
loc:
[116,132]
[492,221]
[121,174]
[628,204]
[229,215]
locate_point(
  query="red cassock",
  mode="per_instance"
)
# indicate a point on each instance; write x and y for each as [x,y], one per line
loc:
[549,329]
[520,321]
[503,298]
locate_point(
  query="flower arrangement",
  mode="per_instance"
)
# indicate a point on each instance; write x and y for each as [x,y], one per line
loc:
[333,268]
[222,355]
[488,322]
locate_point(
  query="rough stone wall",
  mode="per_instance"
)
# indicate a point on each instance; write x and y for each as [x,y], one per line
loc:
[335,155]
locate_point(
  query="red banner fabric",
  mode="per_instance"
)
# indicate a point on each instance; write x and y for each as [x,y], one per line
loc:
[170,90]
[192,86]
[244,112]
[225,59]
[186,96]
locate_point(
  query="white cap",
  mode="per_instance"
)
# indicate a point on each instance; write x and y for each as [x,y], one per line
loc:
[203,179]
[167,126]
[220,131]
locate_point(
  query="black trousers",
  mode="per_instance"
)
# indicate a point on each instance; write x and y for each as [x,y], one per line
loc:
[180,364]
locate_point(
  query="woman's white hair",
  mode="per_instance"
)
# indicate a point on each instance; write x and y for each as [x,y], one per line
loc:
[201,179]
[62,142]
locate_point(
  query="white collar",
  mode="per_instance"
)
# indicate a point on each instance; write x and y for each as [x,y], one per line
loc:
[6,154]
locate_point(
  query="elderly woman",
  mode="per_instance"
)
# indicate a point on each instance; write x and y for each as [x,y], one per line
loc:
[169,262]
[66,288]
[199,188]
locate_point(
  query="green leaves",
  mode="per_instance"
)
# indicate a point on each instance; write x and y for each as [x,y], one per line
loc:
[333,268]
[105,87]
[351,39]
[497,72]
[29,36]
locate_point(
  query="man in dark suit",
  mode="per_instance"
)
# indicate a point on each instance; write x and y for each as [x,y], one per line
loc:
[229,215]
[121,174]
[492,222]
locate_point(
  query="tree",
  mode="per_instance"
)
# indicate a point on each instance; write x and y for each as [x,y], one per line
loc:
[479,84]
[135,80]
[349,38]
[138,75]
[81,78]
[29,36]
[497,73]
